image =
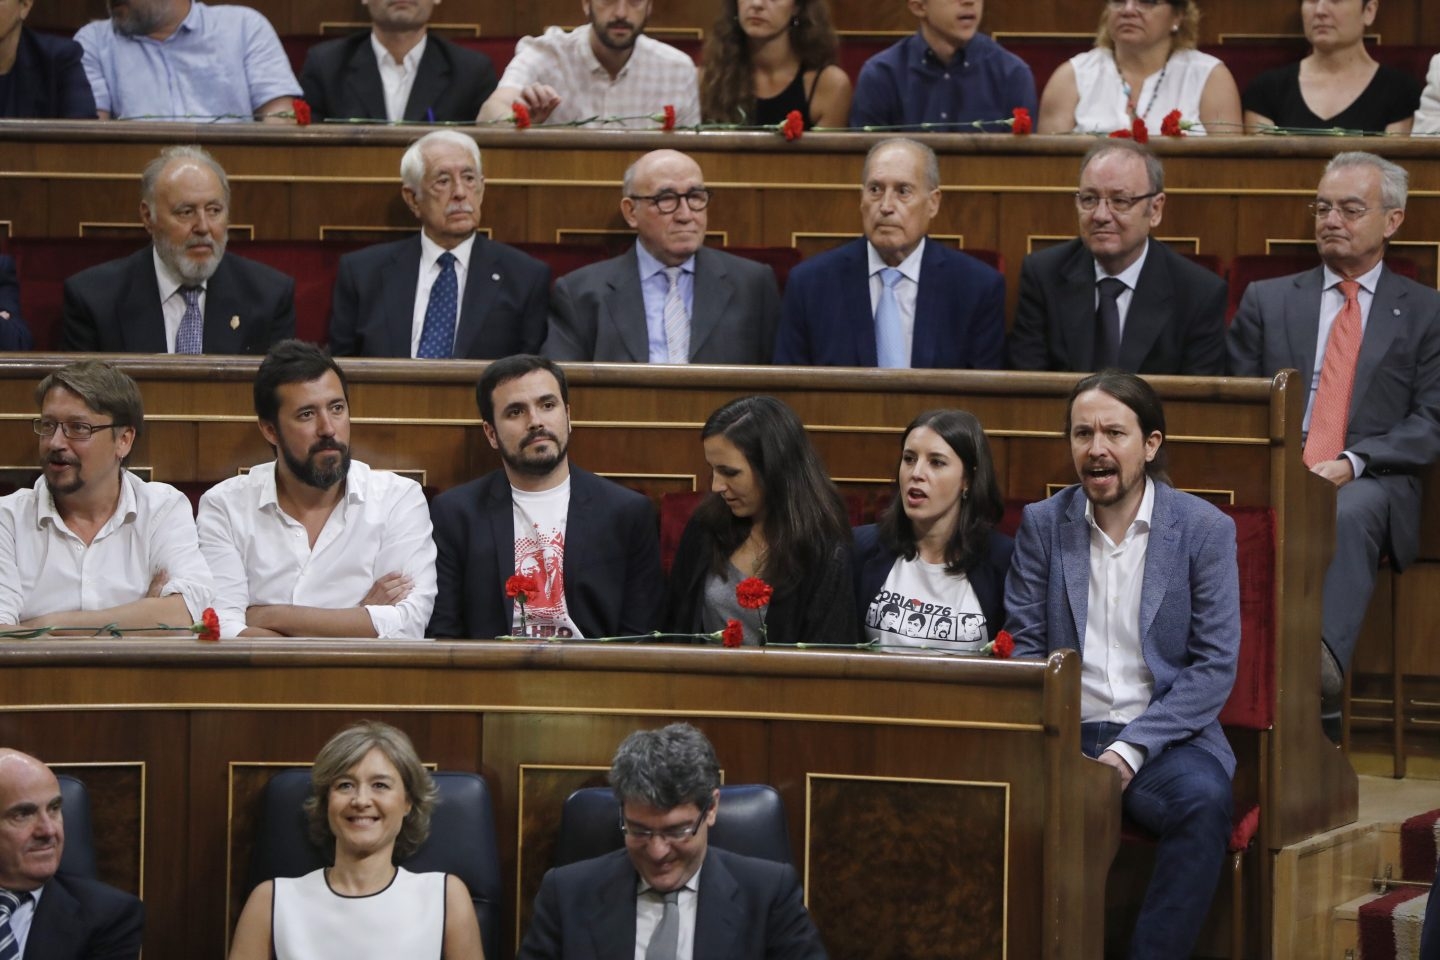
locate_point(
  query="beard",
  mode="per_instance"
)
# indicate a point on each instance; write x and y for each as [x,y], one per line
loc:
[74,485]
[601,33]
[310,472]
[136,18]
[535,464]
[191,271]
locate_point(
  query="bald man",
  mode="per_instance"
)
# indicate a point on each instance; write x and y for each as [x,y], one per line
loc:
[668,299]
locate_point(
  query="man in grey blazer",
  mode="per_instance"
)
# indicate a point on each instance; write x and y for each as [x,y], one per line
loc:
[1387,429]
[668,299]
[1141,580]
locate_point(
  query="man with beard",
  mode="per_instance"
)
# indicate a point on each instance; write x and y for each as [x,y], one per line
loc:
[90,543]
[605,69]
[446,292]
[315,544]
[184,60]
[182,294]
[1140,579]
[539,512]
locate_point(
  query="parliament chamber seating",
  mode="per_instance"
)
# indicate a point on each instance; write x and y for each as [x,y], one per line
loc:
[78,857]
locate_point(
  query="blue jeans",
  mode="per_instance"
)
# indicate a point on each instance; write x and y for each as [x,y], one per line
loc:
[1183,797]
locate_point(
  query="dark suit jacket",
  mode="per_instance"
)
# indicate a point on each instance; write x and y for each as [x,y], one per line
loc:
[873,563]
[745,908]
[48,80]
[1176,321]
[597,313]
[1395,407]
[14,334]
[959,311]
[502,310]
[1189,609]
[115,307]
[341,78]
[82,919]
[612,558]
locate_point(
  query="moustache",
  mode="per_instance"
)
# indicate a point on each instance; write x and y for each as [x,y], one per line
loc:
[619,24]
[459,208]
[60,460]
[328,443]
[540,435]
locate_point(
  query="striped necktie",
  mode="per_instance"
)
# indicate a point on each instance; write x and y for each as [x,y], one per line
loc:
[677,320]
[9,903]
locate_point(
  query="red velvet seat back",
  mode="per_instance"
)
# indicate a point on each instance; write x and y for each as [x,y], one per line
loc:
[780,259]
[44,263]
[313,264]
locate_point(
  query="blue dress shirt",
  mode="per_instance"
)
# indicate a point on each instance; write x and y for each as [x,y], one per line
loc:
[907,85]
[654,288]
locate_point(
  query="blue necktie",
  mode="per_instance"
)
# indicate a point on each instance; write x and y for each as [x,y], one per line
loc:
[9,903]
[437,336]
[190,336]
[889,337]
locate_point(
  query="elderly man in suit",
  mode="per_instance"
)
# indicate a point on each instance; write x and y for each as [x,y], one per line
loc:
[181,294]
[1141,580]
[1113,297]
[1367,344]
[669,298]
[45,912]
[894,298]
[447,292]
[653,898]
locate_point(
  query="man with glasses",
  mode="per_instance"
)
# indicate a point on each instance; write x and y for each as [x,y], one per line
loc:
[1367,344]
[689,900]
[1112,297]
[92,545]
[669,298]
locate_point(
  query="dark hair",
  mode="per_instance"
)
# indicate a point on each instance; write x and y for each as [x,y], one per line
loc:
[1139,396]
[105,389]
[980,510]
[666,768]
[804,515]
[513,368]
[291,361]
[727,89]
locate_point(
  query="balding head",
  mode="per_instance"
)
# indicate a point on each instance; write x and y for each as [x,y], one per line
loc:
[656,180]
[32,832]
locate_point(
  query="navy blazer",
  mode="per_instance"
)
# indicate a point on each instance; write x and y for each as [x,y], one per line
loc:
[48,80]
[502,310]
[14,334]
[873,563]
[82,919]
[341,79]
[114,307]
[745,909]
[612,558]
[959,311]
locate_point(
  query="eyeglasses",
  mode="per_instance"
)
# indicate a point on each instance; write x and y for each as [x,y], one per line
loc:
[1092,201]
[639,836]
[1349,212]
[668,201]
[1142,4]
[72,429]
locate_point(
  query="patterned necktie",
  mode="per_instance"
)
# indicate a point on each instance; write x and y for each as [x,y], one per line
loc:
[1331,413]
[1107,324]
[666,938]
[677,320]
[889,337]
[437,336]
[10,902]
[191,335]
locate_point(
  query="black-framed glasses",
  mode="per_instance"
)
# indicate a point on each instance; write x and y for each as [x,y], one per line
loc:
[72,429]
[1092,201]
[1349,212]
[640,836]
[668,201]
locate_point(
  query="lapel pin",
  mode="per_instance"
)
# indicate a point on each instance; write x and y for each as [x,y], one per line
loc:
[235,323]
[495,277]
[1395,311]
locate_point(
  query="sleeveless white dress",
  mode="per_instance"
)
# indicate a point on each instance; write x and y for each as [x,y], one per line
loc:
[1102,93]
[405,920]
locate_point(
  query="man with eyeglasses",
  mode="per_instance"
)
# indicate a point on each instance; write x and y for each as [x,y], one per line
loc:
[669,298]
[1367,344]
[91,544]
[668,895]
[1114,297]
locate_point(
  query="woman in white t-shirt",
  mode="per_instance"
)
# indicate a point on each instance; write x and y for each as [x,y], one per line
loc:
[931,573]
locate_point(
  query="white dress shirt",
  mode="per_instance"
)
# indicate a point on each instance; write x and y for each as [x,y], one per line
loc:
[260,555]
[398,78]
[429,272]
[649,908]
[23,917]
[1130,276]
[45,568]
[1331,302]
[906,289]
[172,301]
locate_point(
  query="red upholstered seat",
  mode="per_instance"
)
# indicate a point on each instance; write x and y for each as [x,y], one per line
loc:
[780,259]
[44,263]
[313,264]
[675,510]
[991,258]
[1209,261]
[562,258]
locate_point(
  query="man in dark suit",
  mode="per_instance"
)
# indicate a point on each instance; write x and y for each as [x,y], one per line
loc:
[1113,297]
[396,71]
[1140,580]
[647,896]
[46,74]
[446,292]
[182,294]
[14,334]
[53,915]
[1367,344]
[588,548]
[669,298]
[893,298]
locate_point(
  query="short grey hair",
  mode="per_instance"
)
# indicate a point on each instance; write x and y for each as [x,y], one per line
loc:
[932,162]
[665,768]
[151,174]
[1394,180]
[412,165]
[1154,169]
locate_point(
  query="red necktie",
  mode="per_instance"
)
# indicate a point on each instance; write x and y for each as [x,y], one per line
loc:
[1331,413]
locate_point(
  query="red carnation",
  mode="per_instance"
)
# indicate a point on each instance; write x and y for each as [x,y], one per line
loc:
[668,118]
[1003,646]
[1139,131]
[752,593]
[208,629]
[522,115]
[302,112]
[1021,123]
[733,635]
[1171,126]
[521,587]
[793,126]
[1119,134]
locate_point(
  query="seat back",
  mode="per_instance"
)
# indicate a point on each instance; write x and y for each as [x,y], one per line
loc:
[78,858]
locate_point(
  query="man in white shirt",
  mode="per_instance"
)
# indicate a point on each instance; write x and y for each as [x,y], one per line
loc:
[315,544]
[91,544]
[606,70]
[1141,580]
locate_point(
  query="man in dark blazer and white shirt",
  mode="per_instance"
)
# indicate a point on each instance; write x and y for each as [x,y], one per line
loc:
[397,70]
[182,294]
[59,916]
[668,893]
[1390,430]
[894,298]
[447,291]
[1166,314]
[725,308]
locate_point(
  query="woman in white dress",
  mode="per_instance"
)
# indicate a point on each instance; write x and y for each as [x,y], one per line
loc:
[371,800]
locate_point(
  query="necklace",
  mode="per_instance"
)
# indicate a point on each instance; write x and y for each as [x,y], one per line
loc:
[1130,101]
